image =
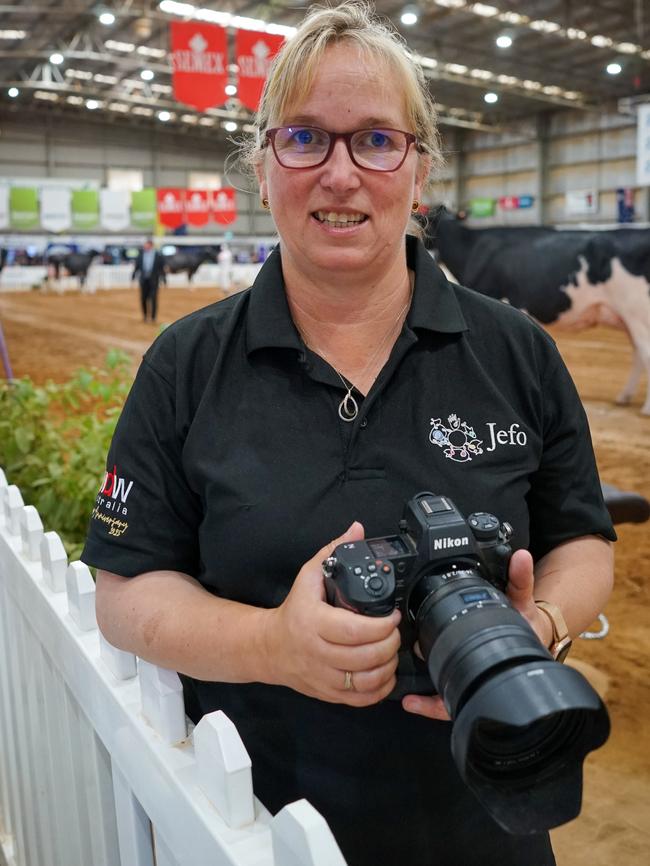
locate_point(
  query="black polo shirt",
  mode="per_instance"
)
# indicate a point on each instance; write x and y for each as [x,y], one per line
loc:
[230,463]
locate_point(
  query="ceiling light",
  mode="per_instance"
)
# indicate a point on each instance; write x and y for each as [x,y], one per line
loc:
[575,33]
[491,97]
[628,48]
[107,18]
[614,68]
[409,16]
[504,41]
[513,18]
[105,79]
[12,34]
[164,116]
[56,58]
[142,110]
[151,52]
[484,10]
[13,92]
[601,41]
[147,75]
[545,26]
[119,106]
[112,45]
[75,100]
[230,126]
[231,89]
[92,104]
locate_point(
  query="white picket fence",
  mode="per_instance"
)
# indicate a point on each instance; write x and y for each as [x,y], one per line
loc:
[98,764]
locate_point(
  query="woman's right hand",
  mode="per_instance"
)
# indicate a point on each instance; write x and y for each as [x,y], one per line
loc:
[312,644]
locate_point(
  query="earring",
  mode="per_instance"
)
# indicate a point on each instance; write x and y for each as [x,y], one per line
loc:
[415,206]
[265,204]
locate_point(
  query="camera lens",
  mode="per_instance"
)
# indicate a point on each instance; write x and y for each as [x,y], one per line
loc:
[523,723]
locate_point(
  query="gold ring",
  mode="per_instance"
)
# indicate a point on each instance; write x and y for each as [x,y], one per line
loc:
[348,685]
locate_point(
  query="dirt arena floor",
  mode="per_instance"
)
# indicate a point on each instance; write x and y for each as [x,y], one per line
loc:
[49,336]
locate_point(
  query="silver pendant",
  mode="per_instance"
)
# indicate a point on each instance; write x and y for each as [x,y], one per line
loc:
[348,408]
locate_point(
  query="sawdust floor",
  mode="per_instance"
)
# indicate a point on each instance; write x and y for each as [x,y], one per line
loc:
[49,336]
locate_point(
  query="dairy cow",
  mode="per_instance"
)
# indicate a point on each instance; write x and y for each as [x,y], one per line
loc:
[572,279]
[75,264]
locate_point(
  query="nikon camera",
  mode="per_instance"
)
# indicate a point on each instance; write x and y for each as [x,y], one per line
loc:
[522,722]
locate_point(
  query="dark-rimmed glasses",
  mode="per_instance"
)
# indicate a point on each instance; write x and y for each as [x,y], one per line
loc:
[379,149]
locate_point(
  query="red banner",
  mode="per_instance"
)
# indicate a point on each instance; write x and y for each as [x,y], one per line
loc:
[224,206]
[197,206]
[255,51]
[509,202]
[171,207]
[199,63]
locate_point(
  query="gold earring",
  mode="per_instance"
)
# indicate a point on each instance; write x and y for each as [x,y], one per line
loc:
[265,204]
[415,206]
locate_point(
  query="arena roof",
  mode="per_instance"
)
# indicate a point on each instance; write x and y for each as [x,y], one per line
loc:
[558,56]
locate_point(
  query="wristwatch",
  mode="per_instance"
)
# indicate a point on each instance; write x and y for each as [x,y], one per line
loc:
[561,641]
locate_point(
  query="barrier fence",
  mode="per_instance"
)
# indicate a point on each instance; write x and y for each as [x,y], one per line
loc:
[98,764]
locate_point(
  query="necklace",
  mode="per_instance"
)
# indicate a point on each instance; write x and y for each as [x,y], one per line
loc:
[348,407]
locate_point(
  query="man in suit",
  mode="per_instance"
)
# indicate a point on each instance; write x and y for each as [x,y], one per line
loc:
[150,266]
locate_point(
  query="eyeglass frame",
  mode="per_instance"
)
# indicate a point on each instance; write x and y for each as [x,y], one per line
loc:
[270,134]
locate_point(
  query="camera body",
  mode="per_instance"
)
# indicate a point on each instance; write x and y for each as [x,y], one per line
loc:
[435,548]
[522,722]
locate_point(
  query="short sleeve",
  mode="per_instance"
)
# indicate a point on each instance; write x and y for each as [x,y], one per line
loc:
[145,516]
[565,499]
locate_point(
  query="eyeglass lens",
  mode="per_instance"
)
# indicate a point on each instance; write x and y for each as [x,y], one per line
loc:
[305,146]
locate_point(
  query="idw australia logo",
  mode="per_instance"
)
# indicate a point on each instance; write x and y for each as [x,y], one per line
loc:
[114,492]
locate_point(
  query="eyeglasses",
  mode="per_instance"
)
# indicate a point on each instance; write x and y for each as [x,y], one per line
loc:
[309,146]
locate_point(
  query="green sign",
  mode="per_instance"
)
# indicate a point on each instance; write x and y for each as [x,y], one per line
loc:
[144,210]
[482,207]
[23,207]
[85,209]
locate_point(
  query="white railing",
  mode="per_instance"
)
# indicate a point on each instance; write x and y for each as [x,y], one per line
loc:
[98,764]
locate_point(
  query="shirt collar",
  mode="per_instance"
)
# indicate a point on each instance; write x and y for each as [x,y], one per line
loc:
[435,306]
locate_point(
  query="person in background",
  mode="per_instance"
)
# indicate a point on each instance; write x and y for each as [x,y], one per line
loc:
[150,267]
[311,407]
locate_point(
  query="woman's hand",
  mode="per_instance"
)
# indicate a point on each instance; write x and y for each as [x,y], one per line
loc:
[520,592]
[311,644]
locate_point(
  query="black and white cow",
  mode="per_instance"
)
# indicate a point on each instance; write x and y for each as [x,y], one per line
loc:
[188,261]
[572,279]
[75,264]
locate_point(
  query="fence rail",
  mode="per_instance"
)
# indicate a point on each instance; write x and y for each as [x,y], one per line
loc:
[98,764]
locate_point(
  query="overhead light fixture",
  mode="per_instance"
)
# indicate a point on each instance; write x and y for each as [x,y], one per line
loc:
[230,126]
[504,41]
[126,47]
[12,34]
[92,104]
[13,92]
[106,18]
[56,58]
[614,68]
[164,116]
[147,75]
[409,16]
[491,97]
[231,89]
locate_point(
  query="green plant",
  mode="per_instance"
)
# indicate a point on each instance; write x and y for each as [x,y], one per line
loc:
[54,439]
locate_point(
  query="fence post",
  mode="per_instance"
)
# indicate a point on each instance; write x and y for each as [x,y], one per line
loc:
[302,837]
[224,769]
[55,561]
[133,825]
[81,595]
[121,664]
[31,532]
[162,701]
[13,507]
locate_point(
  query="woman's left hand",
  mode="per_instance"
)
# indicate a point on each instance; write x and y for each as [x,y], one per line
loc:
[520,592]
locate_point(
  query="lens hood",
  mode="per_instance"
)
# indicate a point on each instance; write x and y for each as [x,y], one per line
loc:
[520,741]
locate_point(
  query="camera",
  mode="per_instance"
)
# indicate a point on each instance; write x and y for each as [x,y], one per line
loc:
[522,722]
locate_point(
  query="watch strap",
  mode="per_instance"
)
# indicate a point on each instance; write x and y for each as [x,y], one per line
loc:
[561,640]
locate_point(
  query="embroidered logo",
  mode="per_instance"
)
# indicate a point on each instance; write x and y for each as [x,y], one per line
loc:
[458,439]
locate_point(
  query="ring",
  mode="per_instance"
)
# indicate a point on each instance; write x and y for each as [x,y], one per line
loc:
[348,685]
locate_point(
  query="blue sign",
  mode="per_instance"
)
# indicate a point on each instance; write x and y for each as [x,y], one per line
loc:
[526,200]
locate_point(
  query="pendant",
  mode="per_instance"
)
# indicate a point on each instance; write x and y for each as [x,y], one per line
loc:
[348,408]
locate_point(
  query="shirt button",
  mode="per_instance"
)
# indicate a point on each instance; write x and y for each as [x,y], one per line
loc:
[364,423]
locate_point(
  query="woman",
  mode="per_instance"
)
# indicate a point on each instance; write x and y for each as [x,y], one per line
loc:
[339,386]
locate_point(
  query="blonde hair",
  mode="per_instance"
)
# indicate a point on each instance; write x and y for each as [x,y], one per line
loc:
[294,67]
